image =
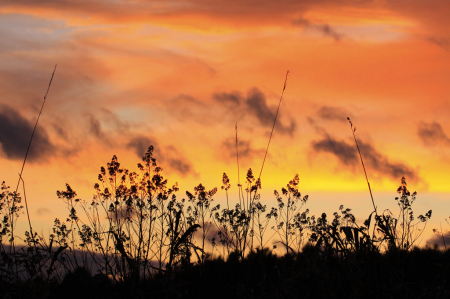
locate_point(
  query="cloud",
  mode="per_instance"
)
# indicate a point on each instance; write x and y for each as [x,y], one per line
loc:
[20,32]
[107,124]
[177,161]
[114,121]
[325,29]
[345,153]
[95,127]
[168,156]
[333,113]
[190,12]
[15,134]
[233,98]
[244,147]
[60,131]
[432,16]
[180,165]
[185,108]
[256,101]
[432,134]
[444,43]
[348,156]
[256,105]
[140,146]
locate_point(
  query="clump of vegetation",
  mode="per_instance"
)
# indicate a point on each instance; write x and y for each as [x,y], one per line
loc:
[137,233]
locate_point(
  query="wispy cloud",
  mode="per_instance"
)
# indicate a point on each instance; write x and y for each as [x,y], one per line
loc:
[244,147]
[442,42]
[347,155]
[243,12]
[95,127]
[324,29]
[178,162]
[232,98]
[254,104]
[432,134]
[345,152]
[333,113]
[166,156]
[140,144]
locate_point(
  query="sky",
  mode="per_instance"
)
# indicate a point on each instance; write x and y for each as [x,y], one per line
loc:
[179,75]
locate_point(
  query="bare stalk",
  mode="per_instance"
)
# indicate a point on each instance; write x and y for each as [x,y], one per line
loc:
[26,207]
[237,161]
[360,156]
[28,149]
[273,127]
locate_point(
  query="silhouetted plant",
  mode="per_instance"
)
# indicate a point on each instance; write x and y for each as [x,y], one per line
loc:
[201,212]
[19,263]
[262,220]
[10,209]
[290,223]
[180,232]
[402,232]
[342,235]
[141,223]
[234,225]
[443,235]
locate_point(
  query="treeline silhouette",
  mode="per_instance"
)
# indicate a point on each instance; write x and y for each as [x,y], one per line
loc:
[138,239]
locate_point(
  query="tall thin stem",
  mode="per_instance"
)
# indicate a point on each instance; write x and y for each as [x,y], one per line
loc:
[274,121]
[26,207]
[28,149]
[237,162]
[34,130]
[360,156]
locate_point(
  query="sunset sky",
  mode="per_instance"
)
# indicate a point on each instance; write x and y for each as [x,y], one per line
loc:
[179,75]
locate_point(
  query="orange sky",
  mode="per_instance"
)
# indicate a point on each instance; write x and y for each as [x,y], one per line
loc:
[180,74]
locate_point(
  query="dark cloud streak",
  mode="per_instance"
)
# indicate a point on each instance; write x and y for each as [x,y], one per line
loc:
[95,127]
[15,134]
[256,105]
[170,155]
[177,161]
[244,147]
[233,98]
[348,155]
[180,165]
[343,151]
[325,29]
[444,43]
[432,134]
[333,113]
[140,145]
